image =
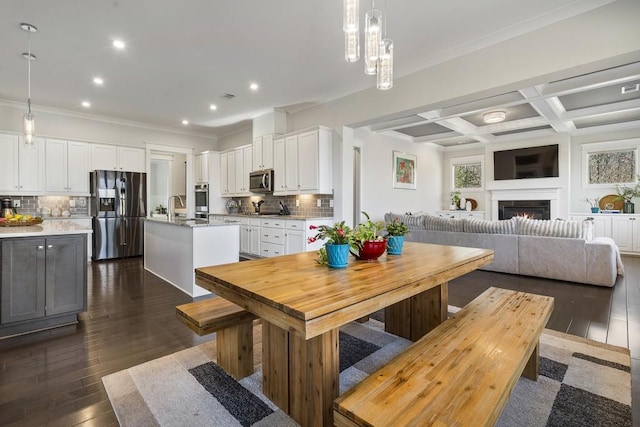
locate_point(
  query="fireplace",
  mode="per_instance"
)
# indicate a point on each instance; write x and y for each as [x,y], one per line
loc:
[536,209]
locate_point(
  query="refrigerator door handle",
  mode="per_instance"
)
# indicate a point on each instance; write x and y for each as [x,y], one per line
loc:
[123,231]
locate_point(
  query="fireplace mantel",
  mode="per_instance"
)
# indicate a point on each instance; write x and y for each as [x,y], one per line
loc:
[550,193]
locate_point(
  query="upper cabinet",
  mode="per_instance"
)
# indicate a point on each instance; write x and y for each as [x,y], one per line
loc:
[235,166]
[67,167]
[201,166]
[262,153]
[119,158]
[21,166]
[303,162]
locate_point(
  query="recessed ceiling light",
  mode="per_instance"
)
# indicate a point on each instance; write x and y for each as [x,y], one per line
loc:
[185,122]
[86,104]
[118,44]
[253,86]
[213,107]
[634,87]
[98,81]
[494,117]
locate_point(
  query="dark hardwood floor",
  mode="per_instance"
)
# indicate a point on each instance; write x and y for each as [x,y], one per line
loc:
[54,377]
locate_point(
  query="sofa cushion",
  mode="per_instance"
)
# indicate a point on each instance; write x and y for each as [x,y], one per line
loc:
[438,223]
[411,221]
[473,225]
[555,228]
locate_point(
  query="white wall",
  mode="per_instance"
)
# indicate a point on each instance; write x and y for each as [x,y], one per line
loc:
[378,195]
[236,139]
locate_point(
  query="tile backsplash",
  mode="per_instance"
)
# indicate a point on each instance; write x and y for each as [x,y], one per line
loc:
[33,205]
[307,204]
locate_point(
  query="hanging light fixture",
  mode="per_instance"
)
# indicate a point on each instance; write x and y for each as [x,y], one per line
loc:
[494,117]
[29,119]
[378,52]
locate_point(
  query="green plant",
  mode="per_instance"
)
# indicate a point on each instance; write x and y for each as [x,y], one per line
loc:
[368,230]
[592,202]
[455,197]
[339,234]
[627,193]
[396,228]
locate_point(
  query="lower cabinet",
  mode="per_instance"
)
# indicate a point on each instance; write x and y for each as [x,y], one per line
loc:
[250,236]
[624,229]
[272,237]
[42,280]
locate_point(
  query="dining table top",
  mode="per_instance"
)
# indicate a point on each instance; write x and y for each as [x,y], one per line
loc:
[300,295]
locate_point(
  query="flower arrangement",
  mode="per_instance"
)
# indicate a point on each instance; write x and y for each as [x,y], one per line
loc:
[368,231]
[339,234]
[593,203]
[627,193]
[396,228]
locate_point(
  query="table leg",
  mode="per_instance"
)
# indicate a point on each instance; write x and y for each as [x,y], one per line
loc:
[301,376]
[416,316]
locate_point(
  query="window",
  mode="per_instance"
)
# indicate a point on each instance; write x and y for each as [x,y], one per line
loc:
[610,163]
[467,173]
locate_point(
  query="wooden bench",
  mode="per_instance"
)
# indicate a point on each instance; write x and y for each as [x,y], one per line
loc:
[461,373]
[234,327]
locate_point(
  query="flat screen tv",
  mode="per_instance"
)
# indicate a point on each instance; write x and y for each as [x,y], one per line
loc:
[525,163]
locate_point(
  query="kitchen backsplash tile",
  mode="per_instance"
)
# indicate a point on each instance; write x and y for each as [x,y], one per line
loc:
[33,205]
[308,204]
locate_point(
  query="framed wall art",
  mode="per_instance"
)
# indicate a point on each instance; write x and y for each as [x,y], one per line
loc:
[404,170]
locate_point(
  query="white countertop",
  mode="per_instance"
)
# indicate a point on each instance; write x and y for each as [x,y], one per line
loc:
[47,228]
[193,222]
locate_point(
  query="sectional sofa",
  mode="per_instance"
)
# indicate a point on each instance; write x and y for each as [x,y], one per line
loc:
[554,249]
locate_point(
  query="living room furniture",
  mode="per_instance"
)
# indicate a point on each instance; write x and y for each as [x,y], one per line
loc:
[302,304]
[624,229]
[527,249]
[459,374]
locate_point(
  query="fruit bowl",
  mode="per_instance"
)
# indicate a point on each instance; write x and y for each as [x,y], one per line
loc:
[20,223]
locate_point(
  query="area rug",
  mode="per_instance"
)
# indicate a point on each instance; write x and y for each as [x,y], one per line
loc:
[582,383]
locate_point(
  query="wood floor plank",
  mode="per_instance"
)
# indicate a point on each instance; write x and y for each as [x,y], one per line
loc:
[54,377]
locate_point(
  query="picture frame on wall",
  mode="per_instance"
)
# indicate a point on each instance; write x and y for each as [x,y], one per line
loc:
[404,170]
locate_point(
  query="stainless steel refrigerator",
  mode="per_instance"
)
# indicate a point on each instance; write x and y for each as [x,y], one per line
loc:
[118,206]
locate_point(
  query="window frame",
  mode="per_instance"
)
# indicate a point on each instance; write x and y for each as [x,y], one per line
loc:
[467,160]
[610,146]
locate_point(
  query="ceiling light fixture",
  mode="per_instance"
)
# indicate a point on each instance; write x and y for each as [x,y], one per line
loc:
[253,86]
[494,117]
[86,104]
[98,81]
[118,44]
[29,120]
[185,122]
[213,107]
[378,56]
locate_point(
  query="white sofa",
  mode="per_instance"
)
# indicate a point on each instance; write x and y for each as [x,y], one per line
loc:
[561,250]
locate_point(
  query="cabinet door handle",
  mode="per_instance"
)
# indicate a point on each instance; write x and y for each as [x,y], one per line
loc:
[40,247]
[49,246]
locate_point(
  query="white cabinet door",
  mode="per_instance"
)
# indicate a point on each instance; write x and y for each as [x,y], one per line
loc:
[308,161]
[224,177]
[201,166]
[622,232]
[256,163]
[78,167]
[636,234]
[291,163]
[56,166]
[104,157]
[279,169]
[246,168]
[254,240]
[131,159]
[239,172]
[9,163]
[294,241]
[244,238]
[601,224]
[31,166]
[267,152]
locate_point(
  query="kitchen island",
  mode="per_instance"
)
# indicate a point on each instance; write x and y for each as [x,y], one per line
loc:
[175,248]
[43,276]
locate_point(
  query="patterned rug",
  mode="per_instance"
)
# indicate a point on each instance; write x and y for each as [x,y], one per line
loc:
[582,383]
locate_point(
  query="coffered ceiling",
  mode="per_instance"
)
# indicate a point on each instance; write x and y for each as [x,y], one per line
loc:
[607,100]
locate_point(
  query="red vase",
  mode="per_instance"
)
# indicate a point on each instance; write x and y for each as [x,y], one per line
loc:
[370,250]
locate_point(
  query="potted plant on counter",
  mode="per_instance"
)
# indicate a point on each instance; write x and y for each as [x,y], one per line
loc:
[370,244]
[340,239]
[593,203]
[396,230]
[627,194]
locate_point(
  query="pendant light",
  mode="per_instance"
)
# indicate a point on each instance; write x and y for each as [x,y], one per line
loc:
[351,28]
[29,119]
[372,39]
[384,80]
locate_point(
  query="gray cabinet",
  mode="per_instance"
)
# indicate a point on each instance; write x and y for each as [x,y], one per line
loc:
[42,279]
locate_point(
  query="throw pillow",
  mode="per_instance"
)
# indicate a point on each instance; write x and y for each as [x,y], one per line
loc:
[473,225]
[555,228]
[438,223]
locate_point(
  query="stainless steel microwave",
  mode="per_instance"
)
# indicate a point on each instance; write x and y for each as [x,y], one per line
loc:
[261,181]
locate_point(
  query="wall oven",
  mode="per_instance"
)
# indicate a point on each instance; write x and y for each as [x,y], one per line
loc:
[202,200]
[261,181]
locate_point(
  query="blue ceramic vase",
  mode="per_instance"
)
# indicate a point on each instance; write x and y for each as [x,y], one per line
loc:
[394,245]
[337,255]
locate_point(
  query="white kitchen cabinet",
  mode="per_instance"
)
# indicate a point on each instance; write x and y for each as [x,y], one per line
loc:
[67,167]
[250,236]
[235,166]
[262,153]
[303,162]
[625,232]
[119,158]
[201,166]
[21,166]
[272,237]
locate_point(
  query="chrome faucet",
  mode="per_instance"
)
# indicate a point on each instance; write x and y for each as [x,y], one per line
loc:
[169,204]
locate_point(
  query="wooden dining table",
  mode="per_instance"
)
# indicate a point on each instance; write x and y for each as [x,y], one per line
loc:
[302,305]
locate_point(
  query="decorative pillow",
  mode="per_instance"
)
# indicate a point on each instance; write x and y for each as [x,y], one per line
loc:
[473,225]
[411,221]
[438,223]
[555,228]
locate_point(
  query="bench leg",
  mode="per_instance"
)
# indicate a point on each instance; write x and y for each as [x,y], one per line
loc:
[532,368]
[234,350]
